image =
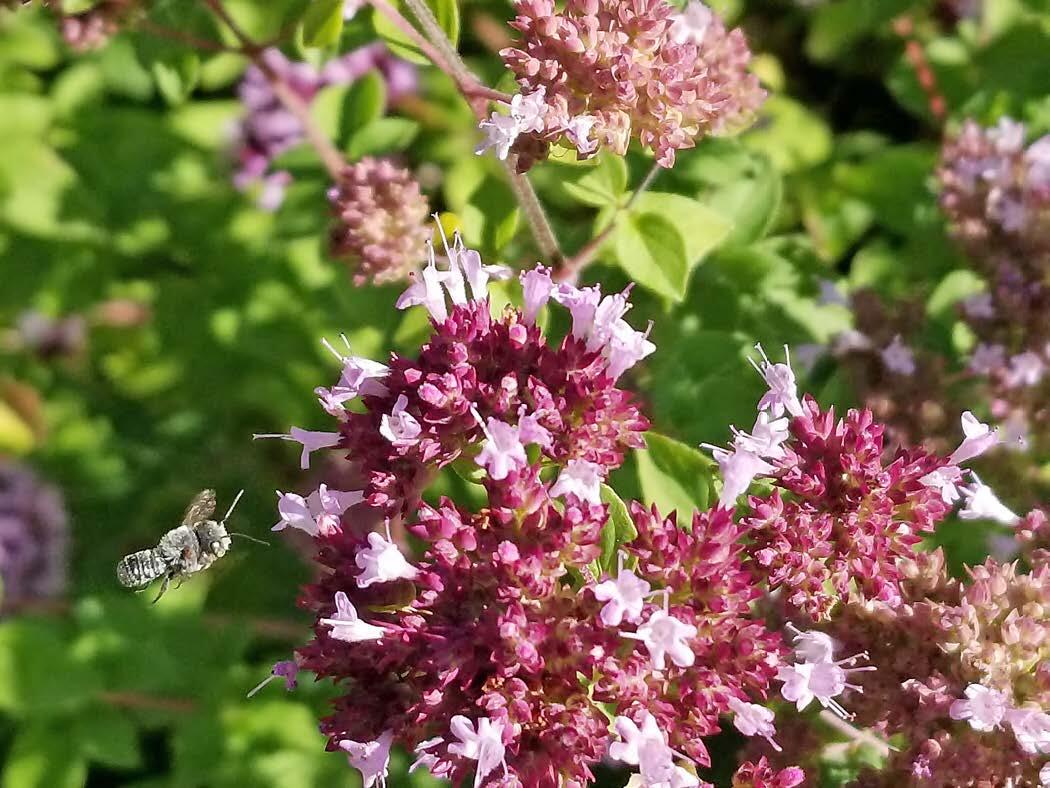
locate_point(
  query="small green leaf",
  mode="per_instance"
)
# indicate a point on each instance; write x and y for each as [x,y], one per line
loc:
[750,203]
[382,136]
[953,288]
[701,227]
[652,251]
[618,530]
[323,23]
[365,102]
[603,184]
[675,476]
[176,78]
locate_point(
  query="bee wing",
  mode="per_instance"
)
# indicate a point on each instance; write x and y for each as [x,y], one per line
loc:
[201,508]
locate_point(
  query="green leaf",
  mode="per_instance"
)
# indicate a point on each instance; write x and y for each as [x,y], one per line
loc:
[38,675]
[384,135]
[603,184]
[176,78]
[750,203]
[41,757]
[953,288]
[618,530]
[445,11]
[365,102]
[652,251]
[106,735]
[701,227]
[323,23]
[675,476]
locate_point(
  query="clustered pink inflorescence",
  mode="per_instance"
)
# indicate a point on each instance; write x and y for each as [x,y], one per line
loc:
[381,220]
[269,128]
[531,637]
[600,72]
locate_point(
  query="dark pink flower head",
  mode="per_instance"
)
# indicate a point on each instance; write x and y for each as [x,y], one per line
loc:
[762,775]
[849,517]
[606,71]
[488,389]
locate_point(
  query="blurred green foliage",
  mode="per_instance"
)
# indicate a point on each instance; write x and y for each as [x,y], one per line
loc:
[115,194]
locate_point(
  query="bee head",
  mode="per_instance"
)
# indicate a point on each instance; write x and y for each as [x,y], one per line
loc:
[213,538]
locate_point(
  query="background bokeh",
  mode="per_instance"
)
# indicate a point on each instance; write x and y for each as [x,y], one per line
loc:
[153,317]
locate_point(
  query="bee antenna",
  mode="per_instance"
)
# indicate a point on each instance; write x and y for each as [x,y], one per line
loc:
[233,506]
[249,538]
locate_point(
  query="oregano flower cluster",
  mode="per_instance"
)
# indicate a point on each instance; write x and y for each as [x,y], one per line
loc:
[521,641]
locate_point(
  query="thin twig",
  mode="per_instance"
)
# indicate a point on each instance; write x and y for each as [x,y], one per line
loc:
[535,216]
[573,265]
[842,726]
[142,702]
[330,156]
[185,38]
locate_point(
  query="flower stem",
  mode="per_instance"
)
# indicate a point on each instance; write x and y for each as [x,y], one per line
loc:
[330,156]
[573,265]
[473,90]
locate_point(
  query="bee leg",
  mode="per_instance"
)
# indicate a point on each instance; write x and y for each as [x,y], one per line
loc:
[163,588]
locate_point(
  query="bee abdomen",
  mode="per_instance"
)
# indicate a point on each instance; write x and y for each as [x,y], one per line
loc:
[141,568]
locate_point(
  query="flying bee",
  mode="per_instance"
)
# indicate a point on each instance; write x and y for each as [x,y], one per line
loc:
[190,548]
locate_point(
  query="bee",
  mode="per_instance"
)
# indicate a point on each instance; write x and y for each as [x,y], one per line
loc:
[190,548]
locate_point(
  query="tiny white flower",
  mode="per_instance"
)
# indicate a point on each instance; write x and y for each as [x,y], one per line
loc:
[783,391]
[425,759]
[426,290]
[979,439]
[319,509]
[1044,776]
[528,110]
[581,478]
[347,626]
[983,504]
[665,636]
[399,426]
[1031,727]
[581,303]
[946,480]
[371,758]
[752,719]
[647,748]
[483,744]
[979,307]
[982,707]
[578,131]
[503,452]
[382,562]
[311,441]
[738,469]
[624,598]
[850,341]
[501,132]
[625,348]
[766,438]
[536,286]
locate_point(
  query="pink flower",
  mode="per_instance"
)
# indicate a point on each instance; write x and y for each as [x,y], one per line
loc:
[382,562]
[503,452]
[783,392]
[1031,727]
[946,481]
[1026,369]
[766,437]
[647,748]
[483,744]
[578,130]
[982,707]
[738,468]
[666,636]
[982,504]
[346,625]
[581,303]
[753,720]
[399,426]
[372,758]
[581,478]
[979,439]
[311,441]
[537,286]
[426,290]
[624,597]
[692,24]
[320,511]
[501,132]
[987,358]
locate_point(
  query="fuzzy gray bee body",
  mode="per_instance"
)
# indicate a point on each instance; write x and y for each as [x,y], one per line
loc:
[185,550]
